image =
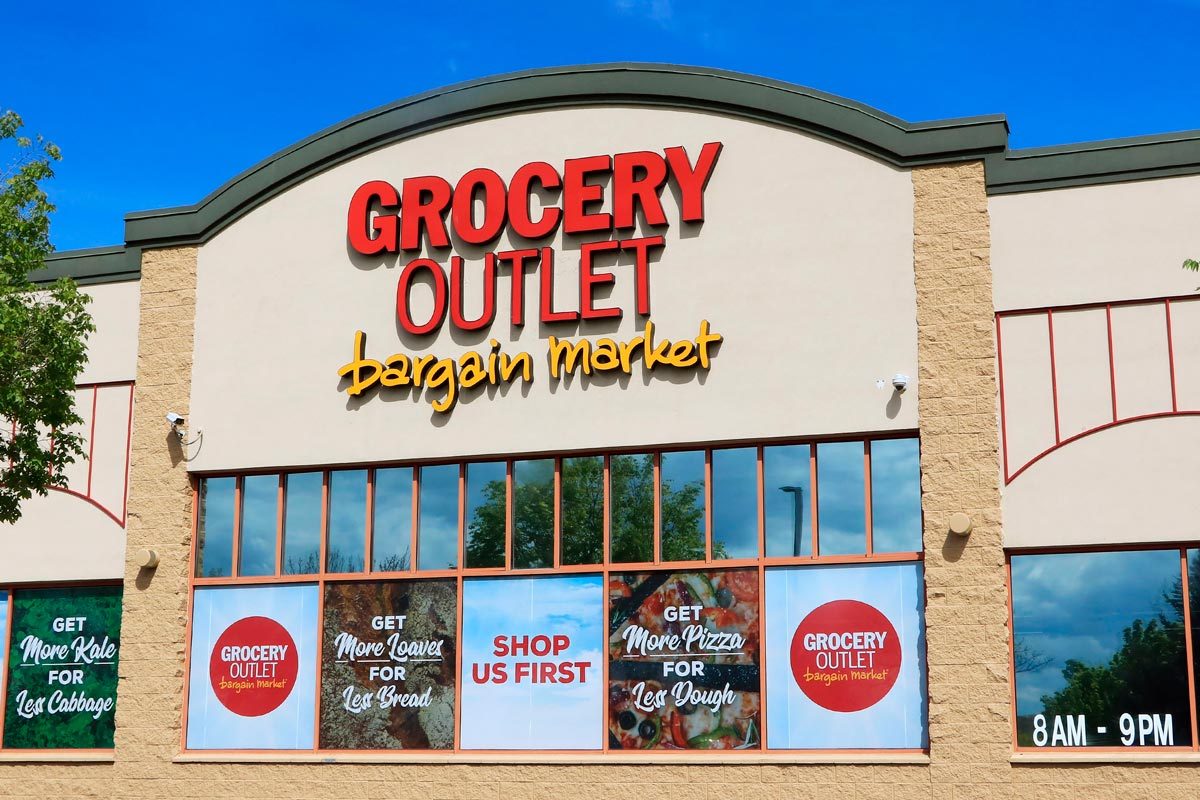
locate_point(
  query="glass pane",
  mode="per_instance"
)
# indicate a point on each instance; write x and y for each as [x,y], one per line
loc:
[437,536]
[631,479]
[214,533]
[683,506]
[391,531]
[347,521]
[260,518]
[1099,651]
[302,524]
[735,503]
[787,490]
[841,499]
[533,514]
[896,495]
[487,505]
[583,510]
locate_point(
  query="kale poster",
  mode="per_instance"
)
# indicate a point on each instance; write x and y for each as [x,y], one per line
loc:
[62,667]
[387,670]
[684,661]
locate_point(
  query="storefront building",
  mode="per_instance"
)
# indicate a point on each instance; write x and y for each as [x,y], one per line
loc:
[629,428]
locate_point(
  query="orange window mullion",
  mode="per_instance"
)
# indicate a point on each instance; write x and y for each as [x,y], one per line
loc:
[708,509]
[1187,638]
[557,512]
[605,525]
[413,555]
[508,515]
[460,562]
[812,481]
[235,567]
[870,522]
[369,532]
[324,521]
[281,499]
[657,555]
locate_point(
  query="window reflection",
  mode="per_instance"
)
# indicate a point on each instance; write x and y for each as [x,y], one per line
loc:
[437,536]
[682,512]
[631,493]
[391,526]
[841,499]
[347,521]
[533,514]
[214,534]
[487,500]
[787,490]
[583,510]
[895,495]
[260,518]
[302,523]
[1098,650]
[735,503]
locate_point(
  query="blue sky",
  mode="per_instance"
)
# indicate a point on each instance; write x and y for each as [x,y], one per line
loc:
[158,104]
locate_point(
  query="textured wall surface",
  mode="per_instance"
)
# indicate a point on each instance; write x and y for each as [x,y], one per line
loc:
[970,723]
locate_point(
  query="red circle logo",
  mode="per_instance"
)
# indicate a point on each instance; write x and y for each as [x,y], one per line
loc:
[845,655]
[253,666]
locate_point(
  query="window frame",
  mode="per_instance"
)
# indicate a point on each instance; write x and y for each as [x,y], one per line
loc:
[606,569]
[1182,548]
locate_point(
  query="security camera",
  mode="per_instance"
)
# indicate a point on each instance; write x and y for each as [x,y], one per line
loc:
[900,381]
[175,419]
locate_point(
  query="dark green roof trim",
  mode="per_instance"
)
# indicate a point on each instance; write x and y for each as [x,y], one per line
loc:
[1111,161]
[851,124]
[94,265]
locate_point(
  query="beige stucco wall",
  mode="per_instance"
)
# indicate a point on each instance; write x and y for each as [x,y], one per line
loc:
[68,535]
[1094,243]
[803,264]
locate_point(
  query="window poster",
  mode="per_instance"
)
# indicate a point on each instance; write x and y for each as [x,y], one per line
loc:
[62,667]
[845,657]
[684,660]
[387,674]
[532,675]
[253,668]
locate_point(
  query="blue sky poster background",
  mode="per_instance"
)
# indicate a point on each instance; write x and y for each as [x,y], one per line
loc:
[3,631]
[289,727]
[528,716]
[158,104]
[896,721]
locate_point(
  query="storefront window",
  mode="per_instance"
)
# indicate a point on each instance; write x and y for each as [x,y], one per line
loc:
[214,536]
[895,495]
[673,639]
[841,499]
[60,670]
[533,514]
[631,480]
[583,510]
[735,503]
[392,523]
[1099,650]
[682,506]
[302,523]
[260,517]
[787,495]
[487,505]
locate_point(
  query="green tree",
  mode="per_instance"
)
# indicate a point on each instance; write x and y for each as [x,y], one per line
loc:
[43,332]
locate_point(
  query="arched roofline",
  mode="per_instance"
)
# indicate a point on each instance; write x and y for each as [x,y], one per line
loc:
[846,122]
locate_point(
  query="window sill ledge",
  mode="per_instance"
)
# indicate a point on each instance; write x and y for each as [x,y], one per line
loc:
[56,756]
[1108,757]
[611,759]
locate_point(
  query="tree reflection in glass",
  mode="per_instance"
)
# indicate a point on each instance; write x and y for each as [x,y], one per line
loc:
[735,502]
[486,505]
[214,535]
[631,499]
[391,527]
[302,523]
[1099,649]
[260,517]
[533,514]
[437,532]
[582,510]
[682,493]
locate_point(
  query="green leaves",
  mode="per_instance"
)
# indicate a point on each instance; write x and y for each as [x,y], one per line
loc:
[43,331]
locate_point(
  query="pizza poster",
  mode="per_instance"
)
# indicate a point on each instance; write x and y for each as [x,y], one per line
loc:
[532,675]
[253,668]
[683,653]
[388,663]
[62,667]
[845,657]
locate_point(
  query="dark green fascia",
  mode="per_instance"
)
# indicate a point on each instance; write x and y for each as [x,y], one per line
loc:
[1111,161]
[854,125]
[90,266]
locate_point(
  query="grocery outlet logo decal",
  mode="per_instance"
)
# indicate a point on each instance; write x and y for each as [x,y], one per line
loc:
[536,202]
[253,666]
[845,655]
